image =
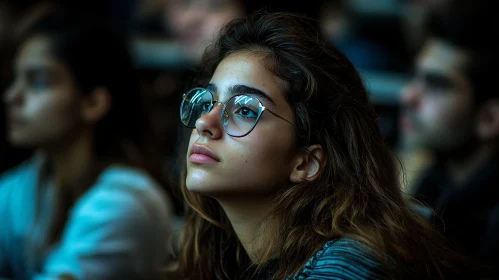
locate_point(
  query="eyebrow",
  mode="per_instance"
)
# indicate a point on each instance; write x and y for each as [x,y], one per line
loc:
[39,68]
[242,89]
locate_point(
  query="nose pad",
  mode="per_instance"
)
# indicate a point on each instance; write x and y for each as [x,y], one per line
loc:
[215,104]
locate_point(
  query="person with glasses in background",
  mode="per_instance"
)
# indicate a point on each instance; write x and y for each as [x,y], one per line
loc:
[93,201]
[287,173]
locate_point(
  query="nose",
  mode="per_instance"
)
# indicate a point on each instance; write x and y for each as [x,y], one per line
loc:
[210,125]
[411,95]
[13,95]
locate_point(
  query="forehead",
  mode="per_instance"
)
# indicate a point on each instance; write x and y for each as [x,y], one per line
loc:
[439,56]
[250,69]
[36,50]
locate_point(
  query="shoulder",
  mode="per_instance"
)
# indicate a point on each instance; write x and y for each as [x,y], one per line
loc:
[120,181]
[120,226]
[19,183]
[20,173]
[343,258]
[126,194]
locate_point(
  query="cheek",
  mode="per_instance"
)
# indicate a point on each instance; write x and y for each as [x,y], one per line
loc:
[443,111]
[194,136]
[267,151]
[52,115]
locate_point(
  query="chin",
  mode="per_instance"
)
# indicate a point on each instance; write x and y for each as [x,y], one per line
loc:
[206,189]
[196,184]
[199,187]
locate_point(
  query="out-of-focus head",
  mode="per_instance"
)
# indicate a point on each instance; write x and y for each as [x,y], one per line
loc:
[439,101]
[454,87]
[43,101]
[196,22]
[72,78]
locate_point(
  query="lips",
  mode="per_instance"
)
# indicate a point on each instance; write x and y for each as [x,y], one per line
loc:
[201,154]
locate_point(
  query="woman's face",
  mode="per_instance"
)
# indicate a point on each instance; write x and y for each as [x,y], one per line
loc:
[256,164]
[42,102]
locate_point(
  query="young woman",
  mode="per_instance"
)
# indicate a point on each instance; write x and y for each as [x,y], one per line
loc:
[287,173]
[89,204]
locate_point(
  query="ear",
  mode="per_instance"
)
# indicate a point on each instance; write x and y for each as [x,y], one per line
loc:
[96,105]
[307,164]
[488,120]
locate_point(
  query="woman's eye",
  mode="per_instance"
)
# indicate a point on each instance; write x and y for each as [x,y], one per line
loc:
[40,83]
[206,106]
[246,112]
[39,80]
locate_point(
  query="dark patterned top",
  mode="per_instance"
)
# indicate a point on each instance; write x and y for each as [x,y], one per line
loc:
[345,259]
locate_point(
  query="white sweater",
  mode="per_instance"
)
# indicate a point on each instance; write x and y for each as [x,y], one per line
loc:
[117,230]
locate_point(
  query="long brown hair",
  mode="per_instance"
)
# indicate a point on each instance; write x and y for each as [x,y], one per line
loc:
[357,193]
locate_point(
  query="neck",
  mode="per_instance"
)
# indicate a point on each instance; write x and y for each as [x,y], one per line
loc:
[461,169]
[247,218]
[73,162]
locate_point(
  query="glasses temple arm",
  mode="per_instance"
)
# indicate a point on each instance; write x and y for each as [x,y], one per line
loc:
[278,116]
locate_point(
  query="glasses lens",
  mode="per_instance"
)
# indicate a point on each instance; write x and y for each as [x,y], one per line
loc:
[240,115]
[197,102]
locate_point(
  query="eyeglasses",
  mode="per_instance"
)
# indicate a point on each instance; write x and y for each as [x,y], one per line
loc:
[239,116]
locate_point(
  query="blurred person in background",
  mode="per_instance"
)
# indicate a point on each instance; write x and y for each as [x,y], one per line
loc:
[15,18]
[92,202]
[195,23]
[451,109]
[287,174]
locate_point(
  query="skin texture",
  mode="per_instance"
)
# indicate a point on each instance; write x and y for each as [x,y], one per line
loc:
[248,171]
[255,164]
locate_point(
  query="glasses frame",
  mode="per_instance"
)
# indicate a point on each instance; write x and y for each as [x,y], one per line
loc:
[214,103]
